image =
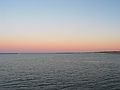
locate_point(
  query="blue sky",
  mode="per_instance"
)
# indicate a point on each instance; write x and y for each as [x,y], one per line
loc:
[101,9]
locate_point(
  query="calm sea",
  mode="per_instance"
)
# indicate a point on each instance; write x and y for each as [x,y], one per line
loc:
[84,71]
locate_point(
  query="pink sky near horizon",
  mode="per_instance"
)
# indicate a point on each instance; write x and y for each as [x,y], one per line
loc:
[56,46]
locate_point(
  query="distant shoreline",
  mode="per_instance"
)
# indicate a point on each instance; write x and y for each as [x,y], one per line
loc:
[109,52]
[9,53]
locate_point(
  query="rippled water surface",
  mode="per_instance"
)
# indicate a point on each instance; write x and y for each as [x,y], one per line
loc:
[85,71]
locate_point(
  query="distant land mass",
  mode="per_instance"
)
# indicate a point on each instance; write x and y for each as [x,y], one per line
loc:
[9,53]
[109,52]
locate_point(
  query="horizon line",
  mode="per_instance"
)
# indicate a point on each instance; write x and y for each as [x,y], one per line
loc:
[102,51]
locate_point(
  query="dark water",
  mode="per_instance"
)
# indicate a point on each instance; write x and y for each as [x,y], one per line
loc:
[85,71]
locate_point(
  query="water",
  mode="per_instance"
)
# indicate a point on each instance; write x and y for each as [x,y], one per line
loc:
[85,71]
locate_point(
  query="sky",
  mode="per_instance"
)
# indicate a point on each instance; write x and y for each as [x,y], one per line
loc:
[59,25]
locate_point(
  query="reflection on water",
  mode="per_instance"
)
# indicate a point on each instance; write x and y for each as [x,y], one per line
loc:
[85,71]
